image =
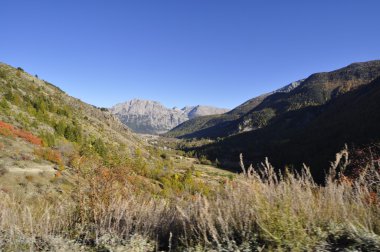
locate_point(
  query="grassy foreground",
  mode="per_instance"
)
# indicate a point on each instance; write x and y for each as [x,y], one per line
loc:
[255,211]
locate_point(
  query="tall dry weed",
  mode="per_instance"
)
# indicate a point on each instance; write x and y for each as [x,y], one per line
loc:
[259,210]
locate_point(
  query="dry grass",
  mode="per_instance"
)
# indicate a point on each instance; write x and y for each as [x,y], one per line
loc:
[291,213]
[254,212]
[3,170]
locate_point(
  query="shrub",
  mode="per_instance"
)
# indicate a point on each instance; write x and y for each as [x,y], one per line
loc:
[29,178]
[60,127]
[49,155]
[100,147]
[164,156]
[13,98]
[64,111]
[203,160]
[40,105]
[4,104]
[3,74]
[48,139]
[73,133]
[9,130]
[5,131]
[29,137]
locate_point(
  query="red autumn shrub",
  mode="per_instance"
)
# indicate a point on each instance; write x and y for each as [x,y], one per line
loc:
[6,125]
[29,137]
[6,132]
[9,130]
[6,129]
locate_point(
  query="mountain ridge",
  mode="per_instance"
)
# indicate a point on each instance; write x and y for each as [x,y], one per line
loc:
[257,112]
[208,123]
[152,117]
[308,124]
[311,135]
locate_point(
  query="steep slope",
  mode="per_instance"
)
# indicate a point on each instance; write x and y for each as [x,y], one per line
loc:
[64,123]
[257,113]
[152,117]
[312,134]
[223,124]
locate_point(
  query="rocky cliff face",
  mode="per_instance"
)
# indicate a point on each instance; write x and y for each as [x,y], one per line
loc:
[198,111]
[151,117]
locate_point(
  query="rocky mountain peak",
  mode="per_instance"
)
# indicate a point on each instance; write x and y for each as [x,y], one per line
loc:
[151,117]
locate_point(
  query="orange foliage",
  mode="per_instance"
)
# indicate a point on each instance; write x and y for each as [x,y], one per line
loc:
[29,137]
[346,180]
[6,129]
[105,173]
[49,155]
[372,198]
[57,174]
[9,130]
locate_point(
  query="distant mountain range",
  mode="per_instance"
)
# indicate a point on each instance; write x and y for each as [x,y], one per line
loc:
[151,117]
[306,121]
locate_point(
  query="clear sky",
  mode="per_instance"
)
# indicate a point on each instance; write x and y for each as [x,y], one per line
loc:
[184,52]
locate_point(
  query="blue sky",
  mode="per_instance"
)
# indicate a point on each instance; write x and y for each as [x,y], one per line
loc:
[184,52]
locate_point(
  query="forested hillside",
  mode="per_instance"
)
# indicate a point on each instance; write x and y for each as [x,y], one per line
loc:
[259,112]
